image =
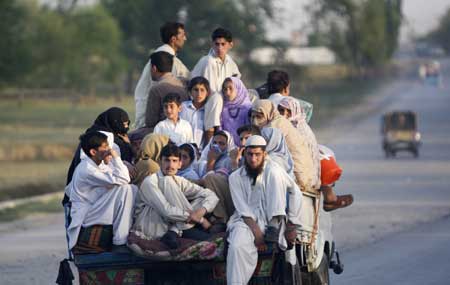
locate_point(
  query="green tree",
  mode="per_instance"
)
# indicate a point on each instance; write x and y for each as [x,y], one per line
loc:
[15,46]
[442,34]
[362,33]
[140,21]
[78,49]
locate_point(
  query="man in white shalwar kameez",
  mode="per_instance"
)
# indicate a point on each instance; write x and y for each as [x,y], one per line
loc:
[167,203]
[259,190]
[216,67]
[100,191]
[173,36]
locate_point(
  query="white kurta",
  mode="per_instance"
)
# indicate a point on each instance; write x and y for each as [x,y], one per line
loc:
[196,118]
[216,71]
[145,82]
[163,203]
[101,195]
[261,202]
[276,98]
[179,133]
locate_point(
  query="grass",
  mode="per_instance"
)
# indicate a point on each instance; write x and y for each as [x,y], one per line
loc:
[51,206]
[25,179]
[38,141]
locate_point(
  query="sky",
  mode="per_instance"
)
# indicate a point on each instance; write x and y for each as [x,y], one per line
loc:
[421,17]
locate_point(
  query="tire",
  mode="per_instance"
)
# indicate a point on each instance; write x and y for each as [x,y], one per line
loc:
[319,277]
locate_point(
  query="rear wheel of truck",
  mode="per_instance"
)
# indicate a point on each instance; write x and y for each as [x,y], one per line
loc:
[319,277]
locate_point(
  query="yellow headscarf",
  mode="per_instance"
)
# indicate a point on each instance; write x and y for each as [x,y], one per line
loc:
[149,155]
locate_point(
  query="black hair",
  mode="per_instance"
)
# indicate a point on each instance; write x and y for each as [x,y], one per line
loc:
[92,140]
[169,30]
[172,98]
[162,60]
[222,33]
[199,80]
[252,129]
[189,148]
[277,80]
[170,150]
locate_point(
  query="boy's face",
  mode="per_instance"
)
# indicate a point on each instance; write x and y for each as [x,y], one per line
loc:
[243,138]
[199,93]
[221,47]
[170,165]
[171,110]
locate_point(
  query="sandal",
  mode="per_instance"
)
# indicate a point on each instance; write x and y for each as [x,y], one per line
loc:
[341,202]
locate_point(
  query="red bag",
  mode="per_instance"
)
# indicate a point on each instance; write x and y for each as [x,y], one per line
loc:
[330,170]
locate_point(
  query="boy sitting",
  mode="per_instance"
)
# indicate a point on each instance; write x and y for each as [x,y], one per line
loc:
[178,130]
[169,206]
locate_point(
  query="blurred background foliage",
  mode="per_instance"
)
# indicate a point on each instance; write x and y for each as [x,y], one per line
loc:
[103,46]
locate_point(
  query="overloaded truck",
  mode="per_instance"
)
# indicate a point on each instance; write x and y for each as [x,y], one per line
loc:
[205,263]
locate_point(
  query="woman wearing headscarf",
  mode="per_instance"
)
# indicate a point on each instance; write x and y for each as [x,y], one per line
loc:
[277,149]
[216,155]
[298,119]
[113,122]
[236,105]
[188,162]
[147,161]
[306,169]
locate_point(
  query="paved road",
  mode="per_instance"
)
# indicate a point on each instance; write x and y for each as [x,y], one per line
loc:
[398,231]
[395,233]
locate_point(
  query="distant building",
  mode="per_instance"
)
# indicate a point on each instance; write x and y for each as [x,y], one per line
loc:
[294,55]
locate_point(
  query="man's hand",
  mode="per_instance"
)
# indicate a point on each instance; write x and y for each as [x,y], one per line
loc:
[213,155]
[196,215]
[235,156]
[259,236]
[113,153]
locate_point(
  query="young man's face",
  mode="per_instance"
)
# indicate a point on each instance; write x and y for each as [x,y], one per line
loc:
[254,157]
[243,138]
[221,47]
[171,110]
[102,153]
[221,141]
[179,39]
[199,94]
[170,165]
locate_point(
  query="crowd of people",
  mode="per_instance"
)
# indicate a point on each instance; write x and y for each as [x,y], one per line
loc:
[207,155]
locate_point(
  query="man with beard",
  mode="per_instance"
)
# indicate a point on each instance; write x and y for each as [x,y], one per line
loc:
[259,190]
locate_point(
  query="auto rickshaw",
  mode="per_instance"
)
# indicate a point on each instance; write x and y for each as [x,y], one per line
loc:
[399,130]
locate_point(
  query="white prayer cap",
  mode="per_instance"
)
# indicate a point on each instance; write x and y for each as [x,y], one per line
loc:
[255,140]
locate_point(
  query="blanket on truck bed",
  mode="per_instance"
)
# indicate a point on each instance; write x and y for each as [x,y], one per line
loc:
[187,250]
